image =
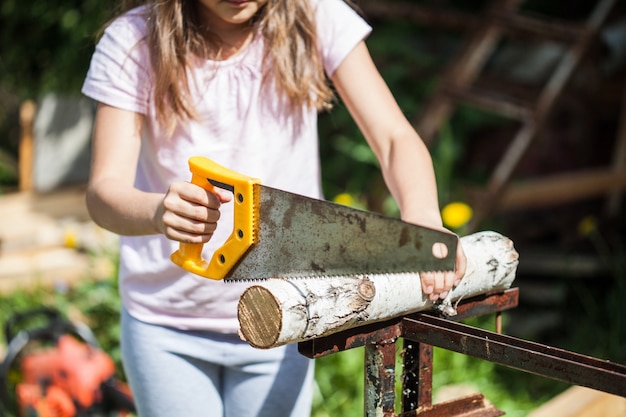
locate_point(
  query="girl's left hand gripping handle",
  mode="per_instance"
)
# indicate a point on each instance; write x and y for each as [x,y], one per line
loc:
[208,174]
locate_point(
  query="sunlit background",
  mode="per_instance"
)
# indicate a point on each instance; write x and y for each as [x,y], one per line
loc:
[526,123]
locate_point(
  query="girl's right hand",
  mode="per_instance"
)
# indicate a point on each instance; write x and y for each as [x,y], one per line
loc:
[188,213]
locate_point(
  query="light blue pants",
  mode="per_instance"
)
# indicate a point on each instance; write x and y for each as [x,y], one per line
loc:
[175,373]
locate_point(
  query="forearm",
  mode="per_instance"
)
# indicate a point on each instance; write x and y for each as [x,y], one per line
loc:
[112,200]
[404,158]
[122,209]
[408,171]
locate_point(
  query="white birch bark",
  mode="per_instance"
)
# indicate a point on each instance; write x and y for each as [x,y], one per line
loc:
[278,312]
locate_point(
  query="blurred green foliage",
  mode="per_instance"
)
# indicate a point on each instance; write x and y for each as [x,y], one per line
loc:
[46,45]
[348,163]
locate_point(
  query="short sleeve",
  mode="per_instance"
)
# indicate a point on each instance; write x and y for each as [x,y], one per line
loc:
[340,29]
[119,73]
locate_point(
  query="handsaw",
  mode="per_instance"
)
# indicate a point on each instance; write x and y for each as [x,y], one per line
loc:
[278,234]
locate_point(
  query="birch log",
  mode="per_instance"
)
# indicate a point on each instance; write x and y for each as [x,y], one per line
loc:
[278,311]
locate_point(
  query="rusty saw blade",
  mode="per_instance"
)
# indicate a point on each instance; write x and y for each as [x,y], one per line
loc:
[277,234]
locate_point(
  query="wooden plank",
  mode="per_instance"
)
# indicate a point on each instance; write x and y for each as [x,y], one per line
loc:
[485,99]
[26,146]
[518,25]
[515,25]
[560,189]
[420,13]
[583,402]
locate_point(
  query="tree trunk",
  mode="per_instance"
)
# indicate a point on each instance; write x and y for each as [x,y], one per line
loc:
[278,312]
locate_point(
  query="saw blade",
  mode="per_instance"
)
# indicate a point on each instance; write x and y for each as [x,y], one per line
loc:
[303,237]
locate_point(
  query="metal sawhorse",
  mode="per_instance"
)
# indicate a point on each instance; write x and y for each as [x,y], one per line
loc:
[422,331]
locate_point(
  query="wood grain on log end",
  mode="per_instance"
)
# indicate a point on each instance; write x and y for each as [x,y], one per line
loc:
[259,306]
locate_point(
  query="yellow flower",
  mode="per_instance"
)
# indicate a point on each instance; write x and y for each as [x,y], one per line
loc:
[344,199]
[70,238]
[457,214]
[587,225]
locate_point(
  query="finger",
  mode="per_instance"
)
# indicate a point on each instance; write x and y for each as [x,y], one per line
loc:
[215,197]
[439,282]
[435,281]
[428,282]
[449,279]
[179,213]
[199,213]
[461,264]
[187,230]
[195,194]
[192,201]
[183,237]
[224,196]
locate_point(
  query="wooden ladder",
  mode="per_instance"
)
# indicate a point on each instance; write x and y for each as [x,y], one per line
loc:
[503,18]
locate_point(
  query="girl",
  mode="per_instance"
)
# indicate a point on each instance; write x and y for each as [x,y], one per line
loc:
[241,82]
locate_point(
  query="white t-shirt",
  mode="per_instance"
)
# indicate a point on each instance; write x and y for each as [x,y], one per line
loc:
[241,126]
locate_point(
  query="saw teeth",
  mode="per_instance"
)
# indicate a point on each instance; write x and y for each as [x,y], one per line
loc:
[256,197]
[318,276]
[234,281]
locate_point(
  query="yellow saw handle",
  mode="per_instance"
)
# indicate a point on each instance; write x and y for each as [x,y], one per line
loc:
[208,174]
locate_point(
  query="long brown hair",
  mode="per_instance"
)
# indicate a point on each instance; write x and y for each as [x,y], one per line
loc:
[292,61]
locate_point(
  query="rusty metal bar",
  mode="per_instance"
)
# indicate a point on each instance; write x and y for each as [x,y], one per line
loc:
[392,329]
[485,304]
[380,377]
[352,338]
[523,355]
[417,376]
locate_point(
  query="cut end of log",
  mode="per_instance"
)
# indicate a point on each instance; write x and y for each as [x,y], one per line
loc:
[259,306]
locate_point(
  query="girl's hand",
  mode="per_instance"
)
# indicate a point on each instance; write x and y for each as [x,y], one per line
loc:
[189,213]
[437,285]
